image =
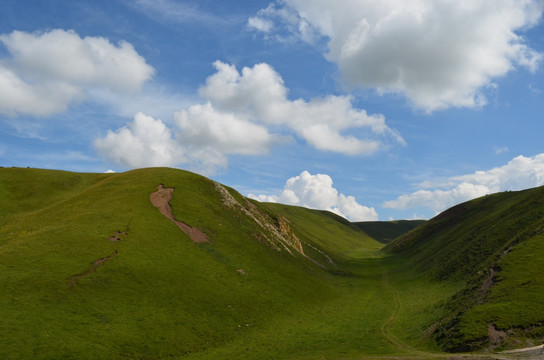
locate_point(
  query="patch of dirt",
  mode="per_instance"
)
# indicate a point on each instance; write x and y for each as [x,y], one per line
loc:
[485,287]
[161,200]
[496,336]
[94,265]
[117,236]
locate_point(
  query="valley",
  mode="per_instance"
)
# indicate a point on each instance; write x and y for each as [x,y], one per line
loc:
[269,281]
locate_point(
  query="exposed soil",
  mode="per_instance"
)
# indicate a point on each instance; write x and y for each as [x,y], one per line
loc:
[495,336]
[161,200]
[117,236]
[94,265]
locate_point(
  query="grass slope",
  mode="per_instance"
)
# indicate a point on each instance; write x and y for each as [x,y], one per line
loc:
[495,244]
[387,231]
[68,292]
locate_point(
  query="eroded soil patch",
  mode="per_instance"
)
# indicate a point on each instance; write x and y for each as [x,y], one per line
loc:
[117,236]
[161,200]
[94,265]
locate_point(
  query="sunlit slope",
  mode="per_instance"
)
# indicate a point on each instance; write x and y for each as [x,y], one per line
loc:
[317,228]
[495,244]
[91,269]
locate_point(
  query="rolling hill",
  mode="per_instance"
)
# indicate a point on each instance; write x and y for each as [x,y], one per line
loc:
[162,263]
[496,245]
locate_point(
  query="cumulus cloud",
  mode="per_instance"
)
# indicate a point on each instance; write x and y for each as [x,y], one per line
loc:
[144,142]
[45,72]
[203,125]
[148,142]
[317,192]
[246,113]
[519,173]
[439,54]
[18,96]
[258,95]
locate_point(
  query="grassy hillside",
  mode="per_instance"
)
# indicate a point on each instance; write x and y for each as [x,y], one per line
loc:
[90,269]
[387,231]
[495,244]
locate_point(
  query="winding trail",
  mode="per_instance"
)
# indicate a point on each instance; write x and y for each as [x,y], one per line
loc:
[385,328]
[411,352]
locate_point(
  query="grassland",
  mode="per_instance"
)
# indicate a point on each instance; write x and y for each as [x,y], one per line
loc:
[387,231]
[495,244]
[70,291]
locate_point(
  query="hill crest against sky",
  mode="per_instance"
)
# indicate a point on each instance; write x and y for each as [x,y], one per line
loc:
[375,110]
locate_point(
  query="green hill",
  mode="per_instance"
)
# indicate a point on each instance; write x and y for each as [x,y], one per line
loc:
[95,266]
[496,245]
[387,231]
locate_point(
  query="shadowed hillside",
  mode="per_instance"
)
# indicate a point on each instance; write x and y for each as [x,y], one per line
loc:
[387,231]
[495,244]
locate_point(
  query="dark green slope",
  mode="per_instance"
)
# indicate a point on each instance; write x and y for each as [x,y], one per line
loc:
[387,231]
[496,245]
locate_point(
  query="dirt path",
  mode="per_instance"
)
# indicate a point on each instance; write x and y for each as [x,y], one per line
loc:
[533,353]
[161,200]
[385,329]
[413,353]
[94,265]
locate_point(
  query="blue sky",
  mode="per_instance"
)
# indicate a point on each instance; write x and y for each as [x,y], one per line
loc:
[372,109]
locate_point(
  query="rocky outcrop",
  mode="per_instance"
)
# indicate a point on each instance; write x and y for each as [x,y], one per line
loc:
[275,230]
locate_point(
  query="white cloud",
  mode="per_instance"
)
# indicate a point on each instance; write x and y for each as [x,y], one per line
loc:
[148,142]
[439,54]
[260,24]
[258,94]
[438,200]
[501,150]
[18,96]
[245,113]
[520,173]
[144,142]
[48,71]
[203,125]
[317,192]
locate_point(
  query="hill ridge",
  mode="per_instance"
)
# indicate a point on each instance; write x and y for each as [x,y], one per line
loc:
[473,241]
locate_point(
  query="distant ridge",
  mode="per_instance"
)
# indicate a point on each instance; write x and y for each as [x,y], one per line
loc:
[387,231]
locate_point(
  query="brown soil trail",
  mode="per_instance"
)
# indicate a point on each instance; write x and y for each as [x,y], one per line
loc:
[161,200]
[385,329]
[95,264]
